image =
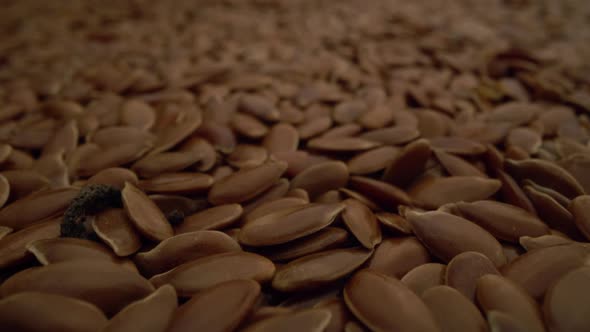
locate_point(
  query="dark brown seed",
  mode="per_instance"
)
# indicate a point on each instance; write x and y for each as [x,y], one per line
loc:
[372,160]
[552,213]
[4,190]
[580,209]
[457,145]
[322,177]
[114,227]
[546,174]
[456,166]
[452,311]
[362,223]
[465,269]
[145,214]
[565,306]
[23,182]
[394,222]
[435,192]
[513,194]
[396,256]
[213,218]
[408,164]
[324,239]
[282,137]
[559,198]
[423,277]
[384,194]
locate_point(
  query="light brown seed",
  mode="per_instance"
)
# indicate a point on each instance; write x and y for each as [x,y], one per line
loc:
[218,217]
[392,135]
[318,269]
[456,166]
[437,229]
[23,182]
[115,229]
[259,106]
[498,293]
[154,164]
[289,224]
[434,192]
[553,214]
[41,205]
[465,269]
[340,314]
[362,223]
[341,144]
[394,222]
[137,113]
[65,140]
[346,130]
[247,155]
[111,136]
[504,221]
[394,257]
[172,135]
[56,250]
[312,320]
[197,275]
[273,206]
[502,322]
[217,309]
[145,214]
[532,243]
[246,183]
[322,177]
[524,138]
[323,239]
[366,286]
[5,152]
[248,126]
[115,177]
[372,160]
[54,168]
[314,127]
[546,174]
[408,164]
[34,311]
[423,277]
[580,209]
[106,285]
[385,195]
[221,137]
[565,306]
[183,248]
[177,183]
[207,156]
[282,137]
[112,156]
[536,270]
[452,311]
[349,111]
[13,247]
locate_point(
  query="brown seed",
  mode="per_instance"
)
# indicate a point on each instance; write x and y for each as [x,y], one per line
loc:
[456,166]
[536,270]
[217,217]
[205,272]
[247,155]
[23,182]
[504,221]
[177,183]
[340,314]
[221,172]
[394,257]
[513,194]
[4,190]
[114,227]
[259,106]
[559,198]
[115,177]
[56,250]
[423,277]
[183,248]
[452,311]
[408,164]
[346,130]
[465,269]
[13,247]
[276,191]
[4,231]
[217,309]
[392,135]
[314,127]
[322,177]
[289,224]
[54,168]
[246,183]
[524,138]
[515,113]
[341,144]
[503,322]
[580,209]
[169,203]
[498,293]
[145,214]
[282,137]
[362,223]
[324,239]
[65,140]
[151,314]
[172,135]
[38,206]
[154,164]
[553,214]
[532,243]
[18,160]
[312,320]
[112,156]
[138,114]
[318,269]
[207,156]
[394,222]
[5,152]
[384,194]
[221,137]
[577,165]
[106,285]
[33,311]
[372,160]
[111,136]
[366,286]
[565,306]
[273,206]
[457,145]
[435,192]
[265,313]
[299,160]
[546,174]
[438,229]
[248,126]
[361,198]
[432,123]
[349,111]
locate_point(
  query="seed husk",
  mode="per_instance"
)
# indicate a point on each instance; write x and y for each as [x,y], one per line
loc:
[145,214]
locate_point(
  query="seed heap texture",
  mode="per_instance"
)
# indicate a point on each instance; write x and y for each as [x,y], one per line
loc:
[295,165]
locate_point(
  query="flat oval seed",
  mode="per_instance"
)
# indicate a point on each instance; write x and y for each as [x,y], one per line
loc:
[372,160]
[457,145]
[565,306]
[138,114]
[276,191]
[41,205]
[424,277]
[504,221]
[394,222]
[503,322]
[4,231]
[4,190]
[315,270]
[408,164]
[340,314]
[106,285]
[194,276]
[362,223]
[177,183]
[284,226]
[274,206]
[217,217]
[115,177]
[394,257]
[248,126]
[513,194]
[247,155]
[314,127]
[13,247]
[553,214]
[537,270]
[525,138]
[259,106]
[438,230]
[164,162]
[217,309]
[434,192]
[56,250]
[145,214]
[184,248]
[580,209]
[111,136]
[411,313]
[456,166]
[172,135]
[384,194]
[282,137]
[114,227]
[532,243]
[33,311]
[452,311]
[23,182]
[346,130]
[498,293]
[151,314]
[246,183]
[392,135]
[465,269]
[326,238]
[341,144]
[322,177]
[312,320]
